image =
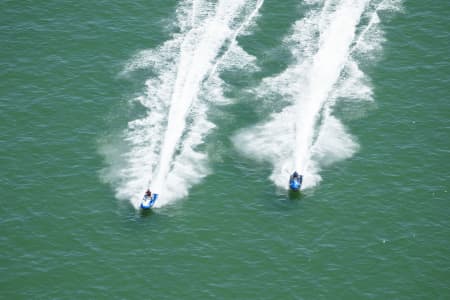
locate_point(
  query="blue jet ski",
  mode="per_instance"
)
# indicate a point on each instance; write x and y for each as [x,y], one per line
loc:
[148,201]
[295,181]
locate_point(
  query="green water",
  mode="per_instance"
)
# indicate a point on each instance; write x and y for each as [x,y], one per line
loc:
[375,227]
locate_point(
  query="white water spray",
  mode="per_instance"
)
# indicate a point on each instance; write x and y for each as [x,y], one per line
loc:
[326,66]
[163,144]
[305,135]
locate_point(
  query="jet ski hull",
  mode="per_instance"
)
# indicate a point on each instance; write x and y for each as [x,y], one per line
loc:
[294,185]
[295,182]
[148,202]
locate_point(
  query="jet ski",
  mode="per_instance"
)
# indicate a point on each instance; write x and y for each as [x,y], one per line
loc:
[295,181]
[148,201]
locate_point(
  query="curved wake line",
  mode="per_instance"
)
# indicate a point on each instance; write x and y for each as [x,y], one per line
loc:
[244,25]
[306,135]
[326,67]
[163,144]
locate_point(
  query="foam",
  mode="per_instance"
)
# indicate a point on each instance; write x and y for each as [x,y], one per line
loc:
[162,150]
[327,46]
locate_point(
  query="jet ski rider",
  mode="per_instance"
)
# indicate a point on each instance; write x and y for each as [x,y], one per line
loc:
[295,176]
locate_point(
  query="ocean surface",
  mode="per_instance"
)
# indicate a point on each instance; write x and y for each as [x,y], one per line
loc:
[212,105]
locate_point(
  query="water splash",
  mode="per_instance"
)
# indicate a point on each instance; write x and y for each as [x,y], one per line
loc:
[306,135]
[163,146]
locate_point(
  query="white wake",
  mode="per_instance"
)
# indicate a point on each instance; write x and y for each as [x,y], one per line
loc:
[327,46]
[162,150]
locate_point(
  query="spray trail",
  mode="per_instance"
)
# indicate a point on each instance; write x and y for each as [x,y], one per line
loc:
[163,145]
[306,135]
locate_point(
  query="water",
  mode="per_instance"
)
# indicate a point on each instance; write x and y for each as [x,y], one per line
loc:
[174,96]
[213,104]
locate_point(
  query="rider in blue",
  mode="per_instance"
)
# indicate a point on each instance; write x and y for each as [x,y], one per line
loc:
[300,178]
[295,181]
